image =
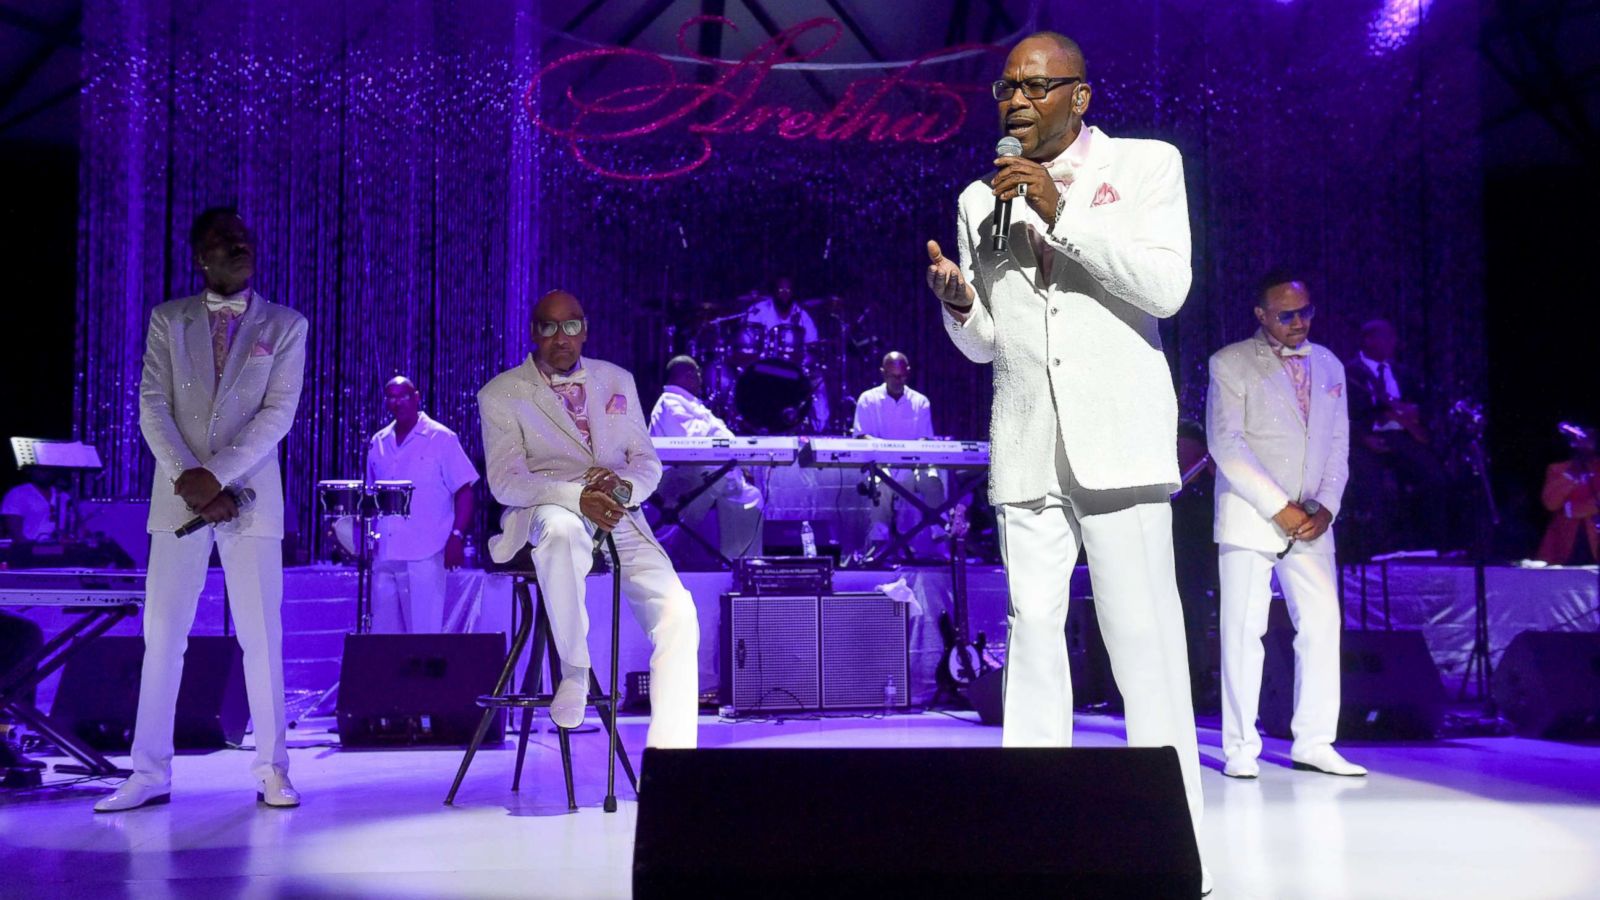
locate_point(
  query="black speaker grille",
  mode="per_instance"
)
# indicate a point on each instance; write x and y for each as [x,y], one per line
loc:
[863,652]
[774,664]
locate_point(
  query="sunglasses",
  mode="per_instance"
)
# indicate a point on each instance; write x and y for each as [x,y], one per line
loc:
[1305,314]
[569,327]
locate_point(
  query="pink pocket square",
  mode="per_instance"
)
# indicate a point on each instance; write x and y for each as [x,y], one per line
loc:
[617,405]
[262,348]
[1106,194]
[1337,390]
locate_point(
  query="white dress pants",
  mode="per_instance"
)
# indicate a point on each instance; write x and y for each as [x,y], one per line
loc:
[253,568]
[408,595]
[1128,537]
[563,554]
[1313,598]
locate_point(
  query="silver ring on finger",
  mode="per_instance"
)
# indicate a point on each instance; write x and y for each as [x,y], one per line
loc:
[1022,190]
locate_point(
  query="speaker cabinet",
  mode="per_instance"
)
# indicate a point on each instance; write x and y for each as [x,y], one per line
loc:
[1389,687]
[1548,684]
[833,652]
[98,699]
[405,690]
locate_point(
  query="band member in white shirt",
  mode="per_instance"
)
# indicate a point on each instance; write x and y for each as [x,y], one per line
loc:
[894,411]
[1084,427]
[221,383]
[29,510]
[408,577]
[1279,430]
[679,412]
[561,434]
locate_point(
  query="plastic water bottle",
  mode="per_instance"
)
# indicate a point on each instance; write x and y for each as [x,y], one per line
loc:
[889,695]
[808,539]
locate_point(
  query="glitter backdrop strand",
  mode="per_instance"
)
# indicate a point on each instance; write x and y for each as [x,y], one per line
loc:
[405,203]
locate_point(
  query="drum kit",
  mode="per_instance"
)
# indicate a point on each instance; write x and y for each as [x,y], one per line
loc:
[349,507]
[770,380]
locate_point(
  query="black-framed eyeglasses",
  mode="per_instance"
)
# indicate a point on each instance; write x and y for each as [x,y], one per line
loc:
[1032,88]
[1305,314]
[568,327]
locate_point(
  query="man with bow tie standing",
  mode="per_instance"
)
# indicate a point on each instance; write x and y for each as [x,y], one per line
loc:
[1279,430]
[561,434]
[1083,436]
[221,383]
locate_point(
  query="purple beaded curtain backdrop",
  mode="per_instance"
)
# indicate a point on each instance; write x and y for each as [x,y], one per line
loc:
[418,171]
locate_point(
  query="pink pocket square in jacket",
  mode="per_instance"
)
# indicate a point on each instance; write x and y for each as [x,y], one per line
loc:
[262,348]
[1106,194]
[617,405]
[1337,390]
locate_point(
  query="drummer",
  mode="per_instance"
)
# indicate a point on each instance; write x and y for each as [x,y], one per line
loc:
[894,411]
[779,311]
[408,585]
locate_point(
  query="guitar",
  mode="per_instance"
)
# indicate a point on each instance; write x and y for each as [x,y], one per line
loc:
[963,660]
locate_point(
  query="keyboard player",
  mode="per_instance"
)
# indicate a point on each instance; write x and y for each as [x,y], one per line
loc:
[894,411]
[679,412]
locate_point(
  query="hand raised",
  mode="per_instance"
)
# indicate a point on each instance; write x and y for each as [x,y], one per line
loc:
[944,279]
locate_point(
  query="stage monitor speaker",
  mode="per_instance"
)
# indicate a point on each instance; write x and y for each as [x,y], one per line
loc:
[828,652]
[407,690]
[98,699]
[1548,684]
[1389,687]
[946,822]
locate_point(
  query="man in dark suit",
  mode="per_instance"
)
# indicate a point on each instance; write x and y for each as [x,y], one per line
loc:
[1396,479]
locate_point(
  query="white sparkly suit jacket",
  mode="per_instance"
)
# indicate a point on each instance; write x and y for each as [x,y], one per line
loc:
[230,426]
[535,455]
[1266,454]
[1081,354]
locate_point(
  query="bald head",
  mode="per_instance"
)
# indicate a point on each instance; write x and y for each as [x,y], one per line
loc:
[403,401]
[896,372]
[553,318]
[1057,41]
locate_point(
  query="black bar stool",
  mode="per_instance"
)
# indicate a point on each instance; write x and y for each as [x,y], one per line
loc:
[531,617]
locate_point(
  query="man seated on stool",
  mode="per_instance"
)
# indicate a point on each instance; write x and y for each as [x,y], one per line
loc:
[408,579]
[679,412]
[1279,431]
[560,434]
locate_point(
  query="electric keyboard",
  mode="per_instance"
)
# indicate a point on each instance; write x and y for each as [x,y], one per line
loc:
[70,587]
[747,451]
[850,452]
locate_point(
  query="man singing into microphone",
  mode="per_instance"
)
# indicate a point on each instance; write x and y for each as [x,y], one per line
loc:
[221,382]
[1279,429]
[1084,426]
[568,454]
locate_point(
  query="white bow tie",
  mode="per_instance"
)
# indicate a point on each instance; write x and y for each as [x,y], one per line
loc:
[578,377]
[1302,350]
[234,305]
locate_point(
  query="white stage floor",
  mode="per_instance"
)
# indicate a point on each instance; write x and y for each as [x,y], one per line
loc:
[1489,817]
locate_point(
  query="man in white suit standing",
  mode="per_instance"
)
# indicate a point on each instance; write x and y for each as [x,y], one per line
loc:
[1084,427]
[1279,430]
[561,432]
[221,382]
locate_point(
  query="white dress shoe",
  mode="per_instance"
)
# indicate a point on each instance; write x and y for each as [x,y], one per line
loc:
[1327,760]
[276,791]
[572,697]
[1242,767]
[132,795]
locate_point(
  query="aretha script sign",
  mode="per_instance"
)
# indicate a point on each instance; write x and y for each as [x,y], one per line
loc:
[653,100]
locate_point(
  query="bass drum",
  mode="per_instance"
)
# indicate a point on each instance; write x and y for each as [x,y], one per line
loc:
[772,396]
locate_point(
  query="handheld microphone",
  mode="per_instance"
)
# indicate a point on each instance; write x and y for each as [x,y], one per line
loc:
[1001,223]
[1311,507]
[241,499]
[622,493]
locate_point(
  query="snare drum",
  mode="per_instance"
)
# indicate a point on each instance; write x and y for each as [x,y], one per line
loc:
[392,498]
[340,498]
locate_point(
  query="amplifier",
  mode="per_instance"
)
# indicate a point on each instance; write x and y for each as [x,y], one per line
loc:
[791,575]
[801,653]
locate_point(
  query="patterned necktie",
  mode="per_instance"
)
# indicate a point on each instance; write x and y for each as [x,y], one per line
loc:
[222,326]
[1300,376]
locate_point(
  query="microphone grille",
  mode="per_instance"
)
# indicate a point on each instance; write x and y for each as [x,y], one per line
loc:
[622,493]
[1008,146]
